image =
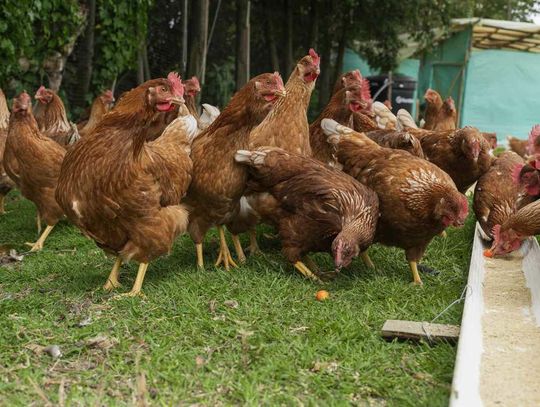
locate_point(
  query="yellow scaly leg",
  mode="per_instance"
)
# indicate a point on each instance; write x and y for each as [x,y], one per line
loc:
[112,280]
[238,248]
[303,269]
[200,258]
[224,253]
[136,290]
[39,244]
[414,270]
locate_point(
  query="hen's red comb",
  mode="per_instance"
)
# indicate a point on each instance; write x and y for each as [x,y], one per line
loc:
[40,90]
[450,103]
[366,92]
[279,80]
[516,173]
[496,234]
[314,56]
[176,84]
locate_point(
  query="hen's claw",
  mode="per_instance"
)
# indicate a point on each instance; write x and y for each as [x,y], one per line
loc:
[304,270]
[112,280]
[224,253]
[37,246]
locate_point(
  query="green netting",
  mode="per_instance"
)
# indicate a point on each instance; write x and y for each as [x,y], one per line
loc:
[502,92]
[443,67]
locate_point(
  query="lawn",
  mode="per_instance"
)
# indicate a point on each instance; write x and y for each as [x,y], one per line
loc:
[251,336]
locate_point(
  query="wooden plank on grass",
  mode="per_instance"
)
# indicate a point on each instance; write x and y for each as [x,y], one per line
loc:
[414,330]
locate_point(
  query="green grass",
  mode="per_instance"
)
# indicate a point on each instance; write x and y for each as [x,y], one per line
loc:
[277,347]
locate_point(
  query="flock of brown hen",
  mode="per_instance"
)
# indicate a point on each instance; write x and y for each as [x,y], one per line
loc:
[135,176]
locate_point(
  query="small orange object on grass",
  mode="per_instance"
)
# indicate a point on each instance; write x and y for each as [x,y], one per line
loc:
[488,253]
[322,295]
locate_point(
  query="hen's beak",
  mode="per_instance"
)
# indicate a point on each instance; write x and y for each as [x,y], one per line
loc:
[177,101]
[280,92]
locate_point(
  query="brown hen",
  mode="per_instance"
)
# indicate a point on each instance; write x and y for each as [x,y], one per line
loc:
[434,103]
[52,120]
[285,127]
[123,191]
[321,208]
[463,154]
[218,181]
[518,227]
[33,161]
[417,200]
[496,194]
[343,104]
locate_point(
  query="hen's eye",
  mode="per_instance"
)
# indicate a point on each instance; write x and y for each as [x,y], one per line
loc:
[163,89]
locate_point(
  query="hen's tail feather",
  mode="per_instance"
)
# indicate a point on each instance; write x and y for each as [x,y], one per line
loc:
[405,119]
[330,127]
[209,114]
[253,158]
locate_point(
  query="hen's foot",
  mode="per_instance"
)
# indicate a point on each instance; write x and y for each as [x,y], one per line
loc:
[416,277]
[428,270]
[136,290]
[238,248]
[37,246]
[304,270]
[224,253]
[443,234]
[112,280]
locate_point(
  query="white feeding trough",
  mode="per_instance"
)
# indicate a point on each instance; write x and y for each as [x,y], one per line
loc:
[498,357]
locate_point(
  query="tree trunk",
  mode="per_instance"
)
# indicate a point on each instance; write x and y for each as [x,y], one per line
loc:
[289,61]
[85,54]
[340,53]
[314,21]
[271,35]
[324,78]
[185,37]
[198,39]
[146,65]
[242,42]
[55,61]
[140,67]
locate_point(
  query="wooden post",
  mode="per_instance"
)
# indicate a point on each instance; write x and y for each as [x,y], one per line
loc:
[242,42]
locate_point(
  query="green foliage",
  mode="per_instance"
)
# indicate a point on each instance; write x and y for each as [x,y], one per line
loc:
[220,82]
[121,26]
[29,31]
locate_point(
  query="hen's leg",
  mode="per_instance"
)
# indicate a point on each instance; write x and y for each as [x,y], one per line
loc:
[2,210]
[39,244]
[238,248]
[38,223]
[308,261]
[112,280]
[200,259]
[253,245]
[414,270]
[302,268]
[224,253]
[136,290]
[367,261]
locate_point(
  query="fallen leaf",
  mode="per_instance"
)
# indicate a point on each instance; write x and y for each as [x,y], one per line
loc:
[212,306]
